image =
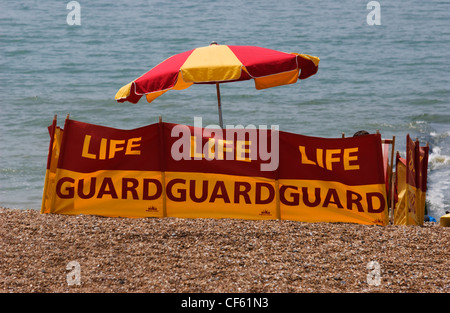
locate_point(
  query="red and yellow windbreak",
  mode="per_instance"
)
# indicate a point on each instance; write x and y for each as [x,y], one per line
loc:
[411,181]
[183,171]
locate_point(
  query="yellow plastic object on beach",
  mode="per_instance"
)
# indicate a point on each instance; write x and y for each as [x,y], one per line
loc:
[445,220]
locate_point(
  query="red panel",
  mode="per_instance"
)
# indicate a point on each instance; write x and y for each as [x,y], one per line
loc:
[262,61]
[352,161]
[113,155]
[162,76]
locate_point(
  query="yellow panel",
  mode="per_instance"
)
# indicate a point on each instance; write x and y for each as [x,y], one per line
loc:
[328,201]
[50,174]
[152,96]
[400,212]
[181,84]
[112,194]
[205,195]
[201,195]
[214,63]
[123,92]
[420,206]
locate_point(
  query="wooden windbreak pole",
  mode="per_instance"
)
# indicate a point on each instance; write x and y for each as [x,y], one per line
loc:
[47,172]
[277,182]
[391,181]
[163,167]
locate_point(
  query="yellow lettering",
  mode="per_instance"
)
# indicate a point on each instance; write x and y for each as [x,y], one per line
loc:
[330,159]
[304,158]
[210,149]
[319,154]
[241,149]
[221,148]
[132,143]
[194,152]
[348,158]
[85,153]
[113,147]
[103,143]
[411,162]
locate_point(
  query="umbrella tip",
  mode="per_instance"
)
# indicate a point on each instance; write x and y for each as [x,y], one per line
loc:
[213,43]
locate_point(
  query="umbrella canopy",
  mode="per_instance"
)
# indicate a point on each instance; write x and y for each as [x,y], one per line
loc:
[216,64]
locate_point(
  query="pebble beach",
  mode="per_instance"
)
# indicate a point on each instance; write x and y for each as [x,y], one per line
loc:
[175,255]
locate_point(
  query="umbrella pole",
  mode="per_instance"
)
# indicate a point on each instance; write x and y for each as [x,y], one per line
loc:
[219,105]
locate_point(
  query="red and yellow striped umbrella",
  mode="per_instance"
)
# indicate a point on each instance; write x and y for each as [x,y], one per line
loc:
[216,64]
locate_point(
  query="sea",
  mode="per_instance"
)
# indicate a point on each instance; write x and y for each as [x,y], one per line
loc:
[384,65]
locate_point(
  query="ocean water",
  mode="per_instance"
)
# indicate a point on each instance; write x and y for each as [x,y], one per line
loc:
[393,77]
